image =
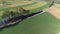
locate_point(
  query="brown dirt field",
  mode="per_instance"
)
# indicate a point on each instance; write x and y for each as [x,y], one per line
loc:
[54,11]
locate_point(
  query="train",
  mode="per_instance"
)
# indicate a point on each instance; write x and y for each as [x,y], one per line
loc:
[11,20]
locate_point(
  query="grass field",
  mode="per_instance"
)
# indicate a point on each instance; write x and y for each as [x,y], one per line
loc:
[21,5]
[40,8]
[18,4]
[41,24]
[57,5]
[11,1]
[39,4]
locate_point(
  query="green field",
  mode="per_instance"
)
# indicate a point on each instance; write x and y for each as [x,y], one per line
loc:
[40,8]
[41,24]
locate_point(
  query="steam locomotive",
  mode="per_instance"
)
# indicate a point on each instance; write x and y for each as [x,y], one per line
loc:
[10,20]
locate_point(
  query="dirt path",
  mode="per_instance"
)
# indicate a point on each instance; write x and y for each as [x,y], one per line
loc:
[54,11]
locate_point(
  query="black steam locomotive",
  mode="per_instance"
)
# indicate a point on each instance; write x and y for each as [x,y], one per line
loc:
[10,20]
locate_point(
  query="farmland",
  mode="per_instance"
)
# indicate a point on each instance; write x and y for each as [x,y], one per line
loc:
[44,23]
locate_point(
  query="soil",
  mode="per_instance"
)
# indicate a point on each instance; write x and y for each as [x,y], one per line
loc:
[54,11]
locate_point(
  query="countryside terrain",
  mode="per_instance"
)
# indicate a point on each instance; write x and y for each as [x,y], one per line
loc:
[45,23]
